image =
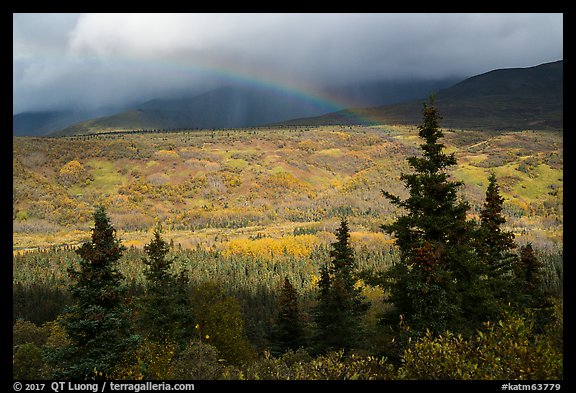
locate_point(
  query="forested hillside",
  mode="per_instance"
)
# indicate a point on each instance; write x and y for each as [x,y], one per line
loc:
[266,182]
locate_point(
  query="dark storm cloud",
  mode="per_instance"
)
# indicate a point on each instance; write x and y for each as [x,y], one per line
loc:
[99,59]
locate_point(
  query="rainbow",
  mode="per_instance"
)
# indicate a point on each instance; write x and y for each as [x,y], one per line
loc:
[234,75]
[297,91]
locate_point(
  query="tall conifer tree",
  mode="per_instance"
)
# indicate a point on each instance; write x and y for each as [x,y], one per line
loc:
[436,285]
[494,248]
[340,304]
[529,273]
[494,245]
[289,330]
[164,309]
[98,324]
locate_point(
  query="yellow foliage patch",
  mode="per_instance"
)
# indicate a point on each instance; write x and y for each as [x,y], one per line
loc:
[166,155]
[342,135]
[370,238]
[72,168]
[315,280]
[294,246]
[307,145]
[285,180]
[72,172]
[134,243]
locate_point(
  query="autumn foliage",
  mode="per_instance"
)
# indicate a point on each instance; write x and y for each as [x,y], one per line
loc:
[251,276]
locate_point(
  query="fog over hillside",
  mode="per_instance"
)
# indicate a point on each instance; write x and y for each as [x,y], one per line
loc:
[87,61]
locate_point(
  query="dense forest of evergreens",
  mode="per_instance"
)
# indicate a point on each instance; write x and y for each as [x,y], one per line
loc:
[454,298]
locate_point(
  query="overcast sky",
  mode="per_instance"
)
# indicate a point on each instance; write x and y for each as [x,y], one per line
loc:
[90,60]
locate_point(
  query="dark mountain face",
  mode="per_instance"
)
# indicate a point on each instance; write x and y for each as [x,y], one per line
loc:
[543,80]
[43,123]
[378,93]
[229,107]
[506,99]
[514,99]
[37,123]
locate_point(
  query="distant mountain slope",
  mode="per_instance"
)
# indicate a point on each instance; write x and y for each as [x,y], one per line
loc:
[240,106]
[45,122]
[510,99]
[42,123]
[378,93]
[504,99]
[35,123]
[220,108]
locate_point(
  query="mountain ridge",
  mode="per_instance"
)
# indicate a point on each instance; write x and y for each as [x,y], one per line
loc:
[236,106]
[502,99]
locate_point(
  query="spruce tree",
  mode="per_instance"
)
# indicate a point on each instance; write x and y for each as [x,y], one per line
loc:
[533,297]
[288,333]
[340,304]
[164,309]
[98,324]
[494,248]
[493,245]
[324,312]
[529,273]
[436,285]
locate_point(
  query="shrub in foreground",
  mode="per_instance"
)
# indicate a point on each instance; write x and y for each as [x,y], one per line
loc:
[508,350]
